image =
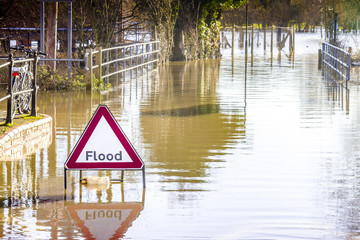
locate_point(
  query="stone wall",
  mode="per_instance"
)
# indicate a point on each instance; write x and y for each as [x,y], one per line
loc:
[26,139]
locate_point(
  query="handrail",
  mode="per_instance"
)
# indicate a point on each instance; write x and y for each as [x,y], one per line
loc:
[119,59]
[133,56]
[131,68]
[337,59]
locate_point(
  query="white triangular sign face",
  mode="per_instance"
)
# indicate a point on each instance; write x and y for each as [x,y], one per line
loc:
[103,145]
[109,149]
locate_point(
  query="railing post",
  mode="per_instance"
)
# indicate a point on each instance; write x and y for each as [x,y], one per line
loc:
[33,96]
[293,43]
[107,65]
[137,56]
[142,58]
[147,56]
[233,42]
[348,68]
[116,66]
[90,64]
[10,91]
[98,62]
[158,48]
[124,62]
[131,61]
[264,37]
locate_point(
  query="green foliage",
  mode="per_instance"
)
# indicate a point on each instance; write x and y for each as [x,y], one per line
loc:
[50,80]
[209,24]
[99,84]
[209,35]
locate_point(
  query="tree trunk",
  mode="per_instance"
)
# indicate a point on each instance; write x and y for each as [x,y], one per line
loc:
[51,36]
[179,48]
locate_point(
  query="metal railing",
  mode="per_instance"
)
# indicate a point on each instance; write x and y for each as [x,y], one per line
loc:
[108,62]
[11,94]
[336,61]
[115,60]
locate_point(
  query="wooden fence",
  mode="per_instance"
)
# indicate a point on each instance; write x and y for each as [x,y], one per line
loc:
[256,36]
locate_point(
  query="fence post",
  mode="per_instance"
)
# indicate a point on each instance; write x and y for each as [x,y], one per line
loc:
[252,45]
[10,91]
[90,64]
[290,41]
[294,32]
[33,96]
[348,68]
[107,66]
[264,38]
[116,66]
[131,61]
[233,41]
[241,38]
[98,61]
[124,62]
[137,57]
[142,58]
[272,40]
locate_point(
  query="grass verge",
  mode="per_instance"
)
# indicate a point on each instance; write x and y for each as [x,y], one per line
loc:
[17,121]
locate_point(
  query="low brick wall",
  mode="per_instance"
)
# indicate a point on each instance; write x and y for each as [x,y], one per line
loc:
[26,139]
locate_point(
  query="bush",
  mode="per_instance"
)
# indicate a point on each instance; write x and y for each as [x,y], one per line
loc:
[99,84]
[48,79]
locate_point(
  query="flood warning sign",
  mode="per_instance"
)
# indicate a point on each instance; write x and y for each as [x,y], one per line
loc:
[103,145]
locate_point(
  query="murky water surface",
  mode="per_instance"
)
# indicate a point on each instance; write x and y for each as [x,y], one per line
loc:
[271,153]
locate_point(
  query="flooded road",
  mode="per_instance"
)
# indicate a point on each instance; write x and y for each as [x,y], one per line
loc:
[271,153]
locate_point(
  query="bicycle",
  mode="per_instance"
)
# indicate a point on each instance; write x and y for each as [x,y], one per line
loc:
[22,80]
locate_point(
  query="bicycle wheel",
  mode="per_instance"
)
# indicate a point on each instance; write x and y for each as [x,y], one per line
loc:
[25,98]
[15,100]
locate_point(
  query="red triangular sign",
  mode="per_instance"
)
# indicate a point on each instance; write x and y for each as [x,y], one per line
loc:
[103,145]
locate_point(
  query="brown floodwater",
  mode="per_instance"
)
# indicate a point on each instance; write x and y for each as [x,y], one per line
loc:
[271,152]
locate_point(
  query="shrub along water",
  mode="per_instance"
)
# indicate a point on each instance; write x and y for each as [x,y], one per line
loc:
[47,79]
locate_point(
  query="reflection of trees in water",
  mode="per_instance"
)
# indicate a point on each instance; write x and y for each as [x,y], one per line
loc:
[184,124]
[18,182]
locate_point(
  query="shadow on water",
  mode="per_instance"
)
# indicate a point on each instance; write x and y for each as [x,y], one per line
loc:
[186,111]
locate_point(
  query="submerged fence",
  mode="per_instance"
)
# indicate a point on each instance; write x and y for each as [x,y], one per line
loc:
[251,36]
[107,62]
[336,62]
[264,36]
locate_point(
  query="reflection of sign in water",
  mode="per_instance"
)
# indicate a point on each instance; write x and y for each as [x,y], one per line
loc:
[104,221]
[103,145]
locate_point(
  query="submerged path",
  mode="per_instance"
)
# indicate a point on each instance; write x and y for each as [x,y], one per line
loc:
[267,153]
